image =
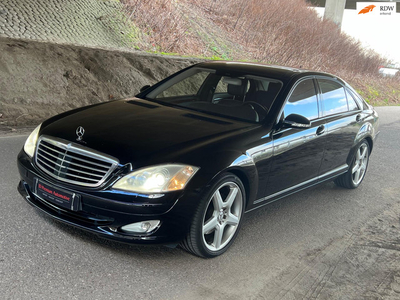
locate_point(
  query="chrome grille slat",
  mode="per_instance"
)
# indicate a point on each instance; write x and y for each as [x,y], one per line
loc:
[75,170]
[44,145]
[70,175]
[73,163]
[45,163]
[76,176]
[77,158]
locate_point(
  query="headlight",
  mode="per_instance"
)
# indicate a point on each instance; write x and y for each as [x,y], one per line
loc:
[30,143]
[157,179]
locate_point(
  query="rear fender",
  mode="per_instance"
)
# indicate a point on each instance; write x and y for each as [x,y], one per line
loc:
[366,132]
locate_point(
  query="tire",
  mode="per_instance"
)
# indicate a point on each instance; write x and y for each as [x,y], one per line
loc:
[217,219]
[358,168]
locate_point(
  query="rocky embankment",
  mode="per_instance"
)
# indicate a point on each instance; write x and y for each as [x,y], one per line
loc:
[39,80]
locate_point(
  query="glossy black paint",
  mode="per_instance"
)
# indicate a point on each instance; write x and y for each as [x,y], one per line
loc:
[272,161]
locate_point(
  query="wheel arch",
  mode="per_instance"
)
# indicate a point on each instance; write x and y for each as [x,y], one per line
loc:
[366,132]
[236,163]
[245,180]
[245,168]
[370,143]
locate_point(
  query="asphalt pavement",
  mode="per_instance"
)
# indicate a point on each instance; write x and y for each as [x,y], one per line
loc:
[291,249]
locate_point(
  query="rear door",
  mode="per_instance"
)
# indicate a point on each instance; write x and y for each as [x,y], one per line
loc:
[342,117]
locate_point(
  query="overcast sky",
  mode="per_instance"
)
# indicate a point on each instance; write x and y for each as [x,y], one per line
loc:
[379,33]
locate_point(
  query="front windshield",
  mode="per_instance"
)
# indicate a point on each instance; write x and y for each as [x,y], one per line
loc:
[244,97]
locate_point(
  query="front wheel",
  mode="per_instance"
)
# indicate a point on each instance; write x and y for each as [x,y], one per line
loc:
[356,173]
[218,218]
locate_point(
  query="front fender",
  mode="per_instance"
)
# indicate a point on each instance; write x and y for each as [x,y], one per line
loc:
[241,165]
[245,168]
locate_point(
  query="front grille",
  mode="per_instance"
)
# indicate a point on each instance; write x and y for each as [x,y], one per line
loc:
[73,163]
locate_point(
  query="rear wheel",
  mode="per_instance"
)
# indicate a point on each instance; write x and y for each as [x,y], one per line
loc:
[356,173]
[217,220]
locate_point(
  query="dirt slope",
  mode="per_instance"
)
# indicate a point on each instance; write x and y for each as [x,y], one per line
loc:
[38,80]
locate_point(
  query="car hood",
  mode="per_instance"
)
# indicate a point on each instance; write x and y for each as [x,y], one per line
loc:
[134,130]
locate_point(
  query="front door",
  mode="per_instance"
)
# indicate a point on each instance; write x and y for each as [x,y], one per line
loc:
[297,153]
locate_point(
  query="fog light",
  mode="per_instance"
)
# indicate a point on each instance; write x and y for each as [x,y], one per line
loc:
[141,227]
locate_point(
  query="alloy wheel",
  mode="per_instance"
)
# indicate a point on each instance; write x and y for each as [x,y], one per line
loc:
[360,164]
[222,216]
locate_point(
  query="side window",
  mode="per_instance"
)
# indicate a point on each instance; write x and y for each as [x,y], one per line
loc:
[303,101]
[333,97]
[361,101]
[222,86]
[351,101]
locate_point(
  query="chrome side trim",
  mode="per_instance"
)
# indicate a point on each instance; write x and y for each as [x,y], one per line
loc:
[323,176]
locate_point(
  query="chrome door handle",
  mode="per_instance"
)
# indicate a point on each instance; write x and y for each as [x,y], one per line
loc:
[320,130]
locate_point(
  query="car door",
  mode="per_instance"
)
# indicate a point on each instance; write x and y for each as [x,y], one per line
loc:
[343,118]
[297,153]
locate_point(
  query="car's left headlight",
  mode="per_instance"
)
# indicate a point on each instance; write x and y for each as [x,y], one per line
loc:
[157,179]
[30,143]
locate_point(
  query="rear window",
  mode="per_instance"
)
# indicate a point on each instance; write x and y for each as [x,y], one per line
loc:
[360,101]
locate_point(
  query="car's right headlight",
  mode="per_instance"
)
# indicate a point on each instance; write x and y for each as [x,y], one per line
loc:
[30,143]
[157,179]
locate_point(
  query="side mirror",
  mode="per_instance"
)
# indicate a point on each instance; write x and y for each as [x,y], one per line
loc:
[296,121]
[143,88]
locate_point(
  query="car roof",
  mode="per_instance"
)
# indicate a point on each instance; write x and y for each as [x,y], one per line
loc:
[284,74]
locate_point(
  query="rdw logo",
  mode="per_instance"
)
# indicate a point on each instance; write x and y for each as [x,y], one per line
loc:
[367,9]
[387,8]
[375,9]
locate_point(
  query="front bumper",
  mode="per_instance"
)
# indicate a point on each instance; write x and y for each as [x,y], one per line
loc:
[103,211]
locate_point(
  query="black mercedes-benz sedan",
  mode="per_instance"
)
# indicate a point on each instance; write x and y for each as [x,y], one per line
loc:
[180,163]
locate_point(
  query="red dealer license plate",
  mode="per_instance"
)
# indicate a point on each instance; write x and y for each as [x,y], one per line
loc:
[57,196]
